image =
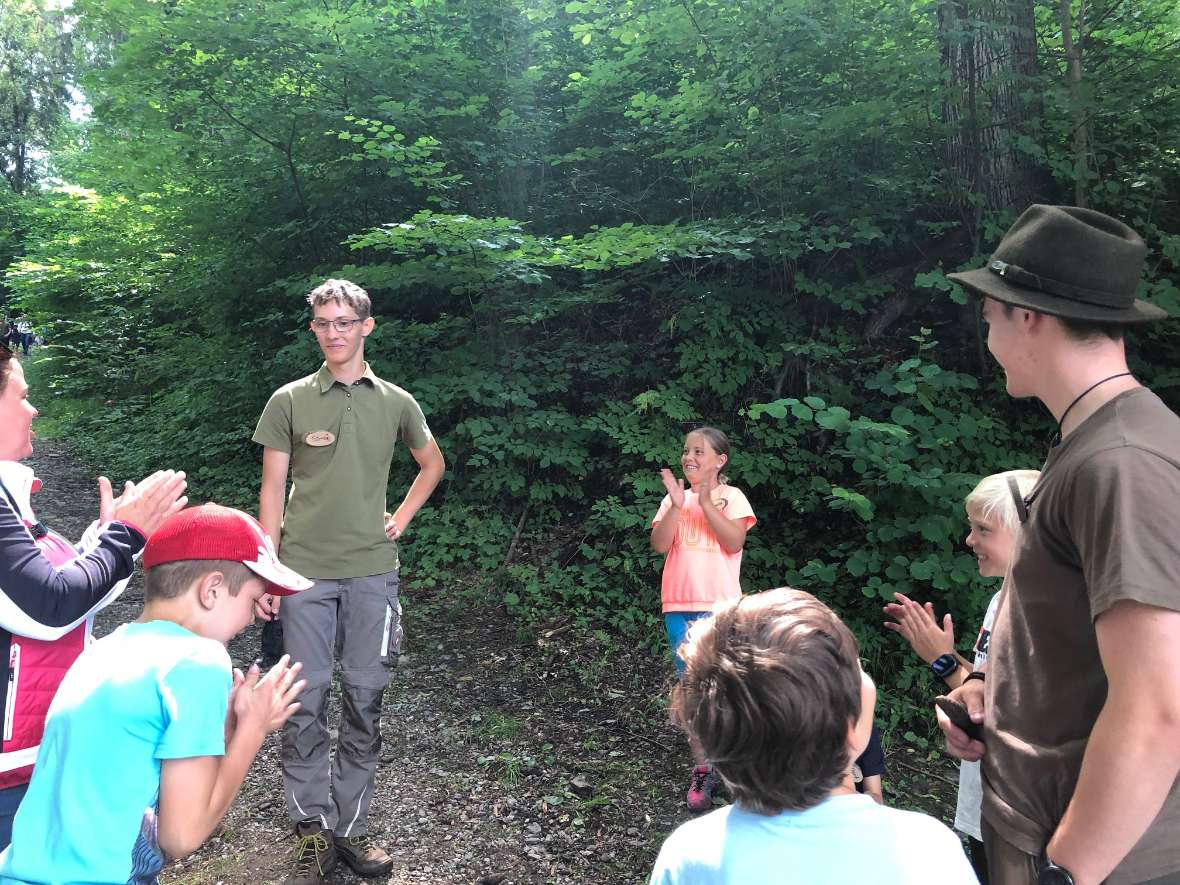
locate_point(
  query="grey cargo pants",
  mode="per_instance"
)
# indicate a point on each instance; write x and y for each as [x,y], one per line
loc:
[358,622]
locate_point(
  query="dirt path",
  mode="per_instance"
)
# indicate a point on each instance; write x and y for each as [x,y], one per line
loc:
[509,759]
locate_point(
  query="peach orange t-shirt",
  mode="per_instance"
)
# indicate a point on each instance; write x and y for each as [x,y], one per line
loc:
[698,572]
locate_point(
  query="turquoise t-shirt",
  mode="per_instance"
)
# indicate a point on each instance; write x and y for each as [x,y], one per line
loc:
[844,839]
[145,693]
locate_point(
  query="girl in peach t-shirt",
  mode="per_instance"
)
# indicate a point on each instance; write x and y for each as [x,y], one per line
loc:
[702,530]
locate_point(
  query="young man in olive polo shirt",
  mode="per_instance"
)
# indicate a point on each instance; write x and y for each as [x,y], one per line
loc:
[335,432]
[1080,705]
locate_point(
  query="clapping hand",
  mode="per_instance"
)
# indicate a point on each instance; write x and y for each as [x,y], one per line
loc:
[919,627]
[264,703]
[144,505]
[674,487]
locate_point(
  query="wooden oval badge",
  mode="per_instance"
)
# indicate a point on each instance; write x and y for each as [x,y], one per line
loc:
[320,438]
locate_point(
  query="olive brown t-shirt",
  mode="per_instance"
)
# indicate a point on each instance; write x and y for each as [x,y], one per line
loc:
[1102,528]
[340,438]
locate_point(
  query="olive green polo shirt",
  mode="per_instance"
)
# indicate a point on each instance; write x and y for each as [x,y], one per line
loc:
[340,438]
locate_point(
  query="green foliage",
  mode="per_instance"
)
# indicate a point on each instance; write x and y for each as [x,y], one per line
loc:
[586,227]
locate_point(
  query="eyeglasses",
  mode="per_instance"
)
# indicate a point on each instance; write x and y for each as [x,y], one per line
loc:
[321,326]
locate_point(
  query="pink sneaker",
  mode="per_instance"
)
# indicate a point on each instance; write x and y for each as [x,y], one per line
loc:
[700,789]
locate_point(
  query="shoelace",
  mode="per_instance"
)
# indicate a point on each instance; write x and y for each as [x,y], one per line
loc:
[699,780]
[317,842]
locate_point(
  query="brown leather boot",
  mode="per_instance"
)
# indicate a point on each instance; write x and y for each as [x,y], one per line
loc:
[365,858]
[315,854]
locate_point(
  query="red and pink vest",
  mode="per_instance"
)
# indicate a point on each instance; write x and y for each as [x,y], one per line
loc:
[35,670]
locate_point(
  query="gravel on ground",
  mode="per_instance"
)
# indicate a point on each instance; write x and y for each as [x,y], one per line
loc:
[510,756]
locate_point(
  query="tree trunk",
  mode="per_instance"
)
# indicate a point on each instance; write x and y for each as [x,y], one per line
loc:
[19,139]
[1073,60]
[988,58]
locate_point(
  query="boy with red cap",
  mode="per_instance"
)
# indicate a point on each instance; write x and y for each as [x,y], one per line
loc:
[152,732]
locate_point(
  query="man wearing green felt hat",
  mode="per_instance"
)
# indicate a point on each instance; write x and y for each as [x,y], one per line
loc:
[1080,703]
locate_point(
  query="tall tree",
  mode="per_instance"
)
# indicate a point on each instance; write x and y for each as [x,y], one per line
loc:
[34,92]
[989,56]
[1072,42]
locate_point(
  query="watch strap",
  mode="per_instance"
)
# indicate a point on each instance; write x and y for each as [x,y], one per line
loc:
[1049,873]
[944,665]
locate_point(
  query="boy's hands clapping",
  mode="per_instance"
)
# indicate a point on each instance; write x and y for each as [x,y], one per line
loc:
[264,703]
[919,627]
[144,505]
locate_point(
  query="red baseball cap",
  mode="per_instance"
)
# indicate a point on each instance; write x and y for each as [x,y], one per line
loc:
[215,532]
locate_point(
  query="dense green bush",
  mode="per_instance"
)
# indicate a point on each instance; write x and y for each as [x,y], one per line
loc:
[586,227]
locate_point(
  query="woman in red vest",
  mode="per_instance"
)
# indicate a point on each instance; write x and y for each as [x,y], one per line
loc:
[49,589]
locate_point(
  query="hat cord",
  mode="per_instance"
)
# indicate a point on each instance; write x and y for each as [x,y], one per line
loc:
[1057,436]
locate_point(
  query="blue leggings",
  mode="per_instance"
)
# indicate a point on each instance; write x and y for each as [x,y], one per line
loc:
[677,624]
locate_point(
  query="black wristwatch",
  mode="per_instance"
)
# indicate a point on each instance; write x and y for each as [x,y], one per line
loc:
[1048,873]
[944,665]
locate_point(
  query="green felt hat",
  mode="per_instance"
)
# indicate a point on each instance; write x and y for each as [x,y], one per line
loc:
[1068,262]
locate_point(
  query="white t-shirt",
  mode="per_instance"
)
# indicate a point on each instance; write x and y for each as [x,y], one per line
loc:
[844,839]
[970,782]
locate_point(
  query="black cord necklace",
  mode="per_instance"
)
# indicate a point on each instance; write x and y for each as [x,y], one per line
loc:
[1057,436]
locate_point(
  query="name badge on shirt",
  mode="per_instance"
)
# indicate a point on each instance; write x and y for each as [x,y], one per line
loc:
[320,438]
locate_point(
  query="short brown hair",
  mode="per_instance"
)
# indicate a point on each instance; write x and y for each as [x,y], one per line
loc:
[1080,331]
[169,580]
[1088,330]
[771,685]
[341,292]
[6,359]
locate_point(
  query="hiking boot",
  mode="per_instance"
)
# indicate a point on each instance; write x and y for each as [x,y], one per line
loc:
[315,854]
[700,788]
[365,858]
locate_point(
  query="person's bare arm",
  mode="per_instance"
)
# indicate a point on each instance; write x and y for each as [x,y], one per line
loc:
[731,533]
[663,533]
[431,467]
[872,787]
[195,793]
[1133,755]
[271,501]
[275,464]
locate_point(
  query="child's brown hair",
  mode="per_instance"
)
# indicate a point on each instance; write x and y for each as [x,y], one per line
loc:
[169,580]
[771,686]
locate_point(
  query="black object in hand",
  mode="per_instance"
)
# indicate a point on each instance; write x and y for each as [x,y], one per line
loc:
[959,716]
[272,644]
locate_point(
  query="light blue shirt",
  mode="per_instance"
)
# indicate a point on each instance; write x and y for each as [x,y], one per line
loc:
[845,840]
[144,694]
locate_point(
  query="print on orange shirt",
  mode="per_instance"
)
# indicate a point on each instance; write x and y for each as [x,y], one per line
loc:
[698,573]
[693,529]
